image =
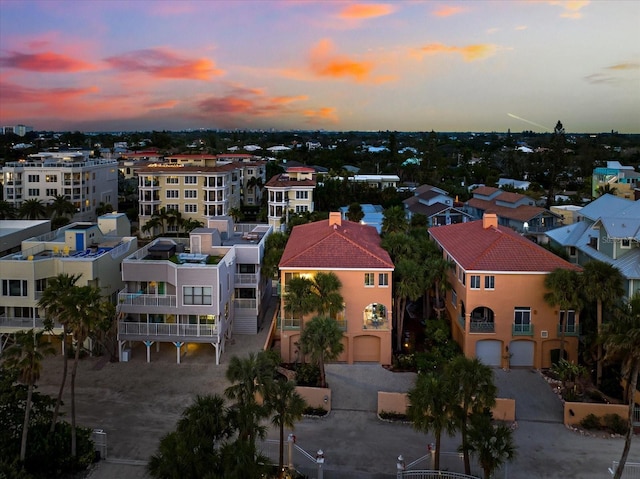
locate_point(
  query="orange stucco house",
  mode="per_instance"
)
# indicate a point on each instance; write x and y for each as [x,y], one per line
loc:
[496,304]
[352,251]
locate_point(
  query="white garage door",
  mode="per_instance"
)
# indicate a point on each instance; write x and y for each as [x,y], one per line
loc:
[521,353]
[488,351]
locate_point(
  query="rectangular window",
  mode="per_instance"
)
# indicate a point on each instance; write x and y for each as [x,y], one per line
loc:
[383,279]
[173,207]
[489,282]
[302,195]
[301,208]
[570,323]
[626,243]
[247,268]
[172,180]
[52,192]
[33,178]
[190,180]
[198,295]
[51,178]
[190,208]
[522,319]
[190,193]
[454,298]
[475,281]
[14,287]
[369,279]
[173,194]
[572,251]
[34,191]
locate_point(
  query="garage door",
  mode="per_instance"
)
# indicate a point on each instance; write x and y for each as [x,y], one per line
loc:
[366,348]
[521,353]
[488,351]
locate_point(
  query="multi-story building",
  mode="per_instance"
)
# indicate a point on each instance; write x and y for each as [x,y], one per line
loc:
[198,186]
[436,205]
[196,290]
[291,191]
[496,303]
[19,130]
[616,179]
[608,230]
[92,251]
[352,251]
[13,232]
[516,211]
[85,182]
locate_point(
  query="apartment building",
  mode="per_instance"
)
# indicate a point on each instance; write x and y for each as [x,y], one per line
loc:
[496,302]
[201,290]
[436,205]
[352,251]
[291,191]
[616,179]
[86,182]
[93,251]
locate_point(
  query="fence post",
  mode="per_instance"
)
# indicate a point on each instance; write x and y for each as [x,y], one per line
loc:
[400,467]
[320,462]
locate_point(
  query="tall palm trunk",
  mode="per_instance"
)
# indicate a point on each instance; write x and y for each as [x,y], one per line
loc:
[402,304]
[562,333]
[465,447]
[25,426]
[436,462]
[74,370]
[633,380]
[599,358]
[65,368]
[281,450]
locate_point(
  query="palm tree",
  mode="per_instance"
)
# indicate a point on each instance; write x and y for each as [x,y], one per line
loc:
[606,189]
[189,224]
[321,339]
[399,245]
[355,213]
[407,286]
[621,338]
[476,393]
[602,282]
[491,442]
[395,219]
[326,299]
[60,206]
[236,214]
[26,356]
[174,218]
[58,300]
[431,407]
[7,210]
[287,407]
[32,209]
[151,225]
[439,268]
[564,292]
[298,301]
[103,208]
[273,249]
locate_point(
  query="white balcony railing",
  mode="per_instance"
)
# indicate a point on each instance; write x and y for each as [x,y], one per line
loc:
[140,299]
[246,303]
[24,323]
[126,328]
[246,278]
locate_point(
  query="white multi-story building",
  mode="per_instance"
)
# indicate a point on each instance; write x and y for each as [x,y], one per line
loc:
[92,251]
[199,289]
[291,191]
[85,182]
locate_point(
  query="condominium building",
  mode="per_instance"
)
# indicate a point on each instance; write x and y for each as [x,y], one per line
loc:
[200,289]
[291,191]
[86,182]
[92,251]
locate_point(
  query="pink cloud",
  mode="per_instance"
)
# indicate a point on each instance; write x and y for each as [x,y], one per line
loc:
[469,52]
[447,11]
[44,62]
[321,115]
[366,10]
[163,63]
[325,63]
[570,8]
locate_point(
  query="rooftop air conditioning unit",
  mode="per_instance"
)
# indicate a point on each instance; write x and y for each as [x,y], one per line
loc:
[544,334]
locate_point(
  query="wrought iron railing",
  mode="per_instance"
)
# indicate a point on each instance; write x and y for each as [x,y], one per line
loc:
[522,330]
[482,326]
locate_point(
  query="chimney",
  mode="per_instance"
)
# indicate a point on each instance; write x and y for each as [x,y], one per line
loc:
[335,218]
[489,220]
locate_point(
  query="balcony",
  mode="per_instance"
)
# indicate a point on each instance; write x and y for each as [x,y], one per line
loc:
[374,323]
[246,303]
[570,330]
[137,330]
[482,326]
[246,278]
[289,323]
[145,300]
[16,324]
[522,330]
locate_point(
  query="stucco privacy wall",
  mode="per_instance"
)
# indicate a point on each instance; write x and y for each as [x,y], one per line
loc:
[574,412]
[504,410]
[316,397]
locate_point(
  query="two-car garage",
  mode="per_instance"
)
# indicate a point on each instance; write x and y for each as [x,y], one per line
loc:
[522,353]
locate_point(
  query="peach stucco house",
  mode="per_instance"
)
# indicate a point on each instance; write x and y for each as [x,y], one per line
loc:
[352,251]
[496,304]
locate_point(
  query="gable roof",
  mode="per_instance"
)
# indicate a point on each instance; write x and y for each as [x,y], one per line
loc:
[603,206]
[476,248]
[520,213]
[320,245]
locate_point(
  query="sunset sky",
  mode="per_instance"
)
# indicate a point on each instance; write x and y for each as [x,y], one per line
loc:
[336,65]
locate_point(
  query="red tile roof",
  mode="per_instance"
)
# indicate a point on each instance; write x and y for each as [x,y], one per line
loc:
[485,190]
[321,246]
[495,249]
[520,213]
[182,169]
[283,180]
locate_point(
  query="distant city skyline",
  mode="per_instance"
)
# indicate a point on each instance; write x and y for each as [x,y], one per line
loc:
[332,65]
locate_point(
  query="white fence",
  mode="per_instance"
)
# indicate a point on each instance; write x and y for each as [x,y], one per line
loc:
[631,470]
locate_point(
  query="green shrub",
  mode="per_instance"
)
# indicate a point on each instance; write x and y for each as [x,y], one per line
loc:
[393,416]
[307,375]
[615,423]
[315,411]
[590,421]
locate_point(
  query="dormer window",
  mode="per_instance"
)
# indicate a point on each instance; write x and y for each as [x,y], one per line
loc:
[626,243]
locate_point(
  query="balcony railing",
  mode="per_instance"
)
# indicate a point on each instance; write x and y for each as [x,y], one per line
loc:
[379,323]
[140,299]
[24,323]
[570,330]
[246,303]
[289,323]
[482,326]
[126,328]
[246,278]
[522,330]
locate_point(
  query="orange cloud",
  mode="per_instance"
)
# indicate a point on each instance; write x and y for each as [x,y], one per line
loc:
[571,8]
[325,63]
[247,101]
[322,114]
[163,63]
[447,11]
[624,66]
[469,52]
[366,10]
[13,93]
[163,105]
[44,62]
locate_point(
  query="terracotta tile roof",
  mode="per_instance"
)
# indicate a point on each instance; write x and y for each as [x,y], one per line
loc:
[178,170]
[485,190]
[521,213]
[495,249]
[349,245]
[192,157]
[510,197]
[300,169]
[283,180]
